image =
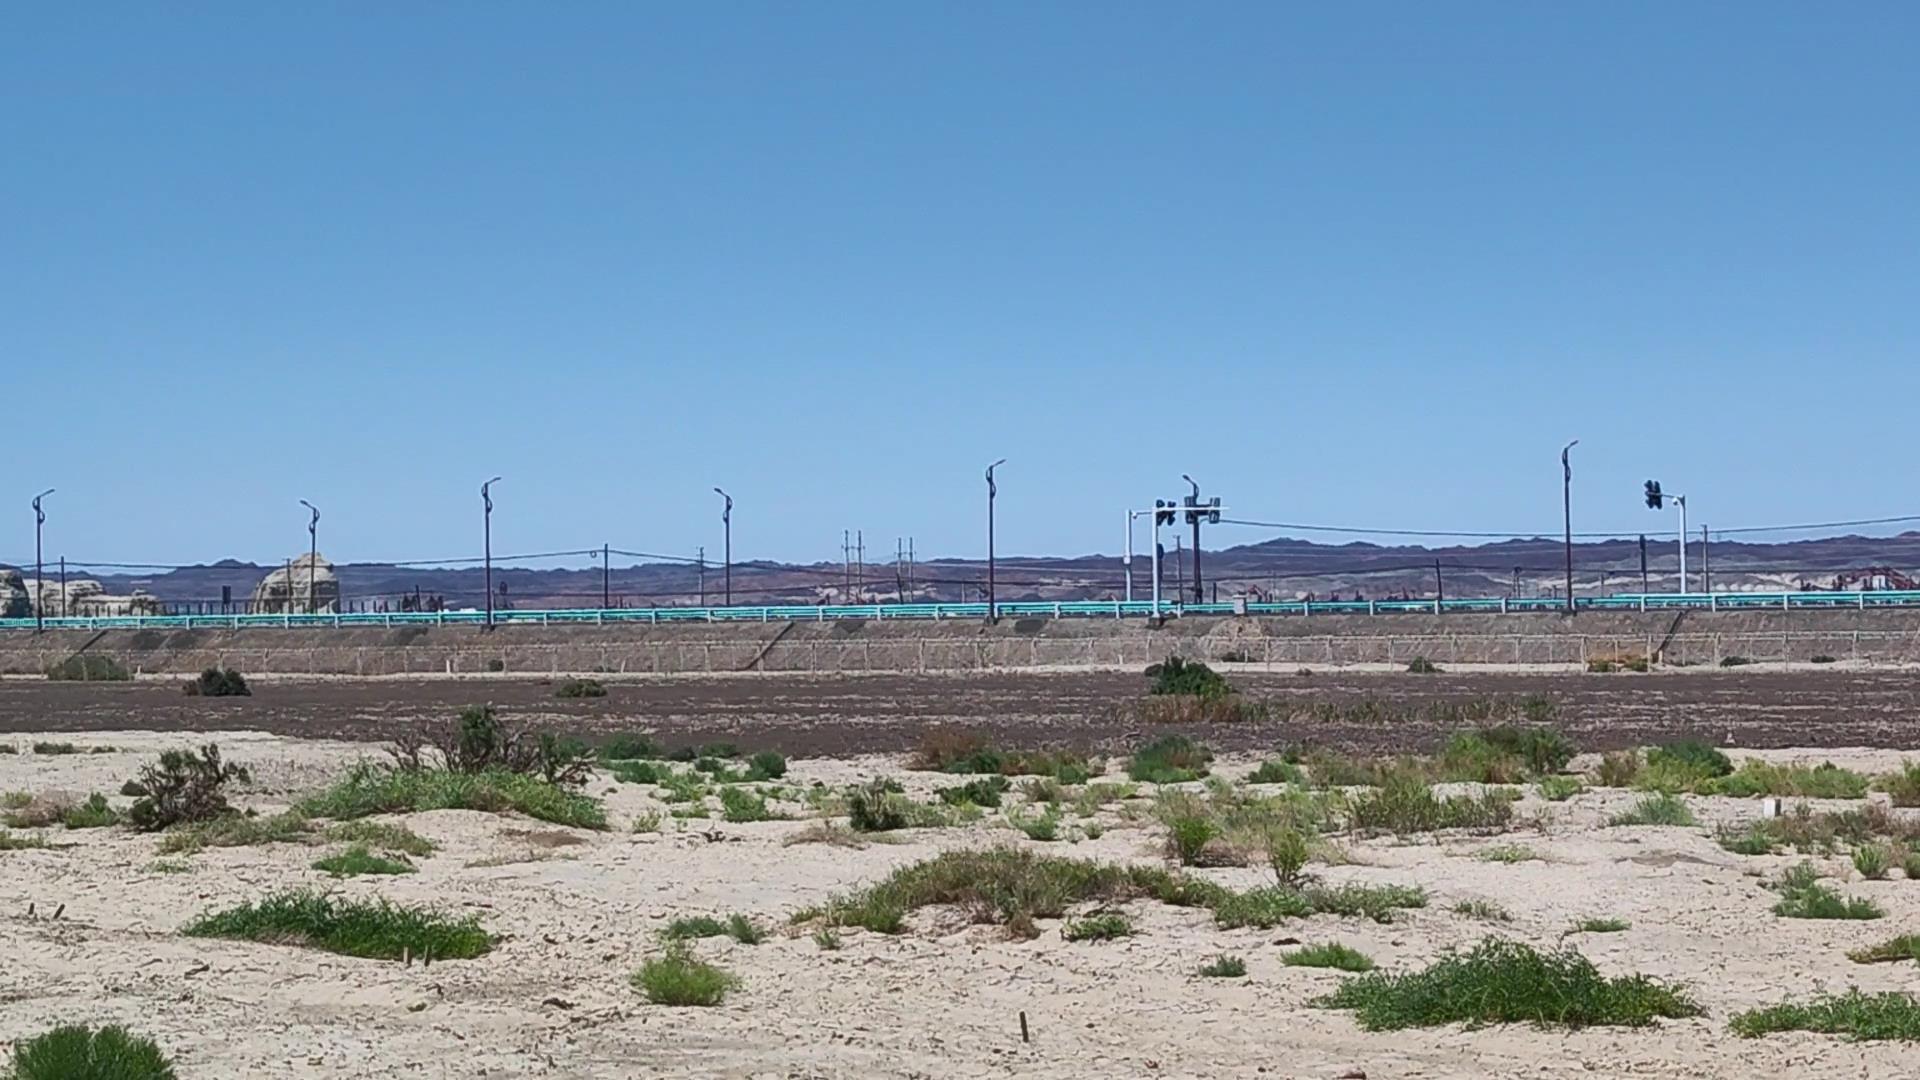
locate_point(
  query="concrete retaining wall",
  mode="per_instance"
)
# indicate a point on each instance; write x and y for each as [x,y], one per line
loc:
[1283,643]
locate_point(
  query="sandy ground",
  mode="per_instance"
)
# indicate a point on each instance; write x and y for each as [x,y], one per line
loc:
[581,910]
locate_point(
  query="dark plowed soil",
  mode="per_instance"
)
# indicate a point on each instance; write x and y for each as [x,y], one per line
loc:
[814,716]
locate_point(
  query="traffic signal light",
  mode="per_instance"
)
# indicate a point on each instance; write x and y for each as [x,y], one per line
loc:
[1163,512]
[1213,516]
[1655,500]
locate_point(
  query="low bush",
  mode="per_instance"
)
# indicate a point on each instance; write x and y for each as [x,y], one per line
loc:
[1618,768]
[1861,1016]
[1506,982]
[369,929]
[1170,759]
[1756,777]
[1277,772]
[1601,926]
[766,765]
[678,978]
[630,748]
[1902,787]
[952,751]
[369,790]
[1177,676]
[1044,827]
[1330,955]
[1734,661]
[580,688]
[640,772]
[219,682]
[89,668]
[185,786]
[1873,861]
[1559,788]
[1825,659]
[77,1052]
[1100,926]
[741,805]
[1803,897]
[358,860]
[480,741]
[55,749]
[95,813]
[1681,766]
[1658,809]
[1224,967]
[738,927]
[985,792]
[1420,665]
[1505,754]
[1904,947]
[1405,804]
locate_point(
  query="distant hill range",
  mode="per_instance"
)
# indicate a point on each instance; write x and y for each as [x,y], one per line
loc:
[1281,569]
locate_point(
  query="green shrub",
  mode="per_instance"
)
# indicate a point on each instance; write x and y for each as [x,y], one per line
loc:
[872,808]
[89,668]
[678,978]
[1681,766]
[55,749]
[1618,768]
[1756,777]
[1905,947]
[1187,678]
[1224,967]
[1657,809]
[1508,853]
[1601,926]
[393,838]
[1101,926]
[640,772]
[580,688]
[84,1053]
[1170,759]
[1803,897]
[1825,659]
[1873,861]
[630,748]
[1422,666]
[357,860]
[1188,836]
[1277,772]
[766,765]
[1860,1016]
[985,791]
[1329,955]
[1559,788]
[1505,754]
[827,939]
[740,805]
[1405,804]
[95,813]
[219,682]
[1044,827]
[1734,661]
[1506,982]
[185,786]
[368,790]
[370,929]
[1902,786]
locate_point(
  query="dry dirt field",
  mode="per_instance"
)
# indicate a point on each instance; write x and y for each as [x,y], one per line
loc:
[577,911]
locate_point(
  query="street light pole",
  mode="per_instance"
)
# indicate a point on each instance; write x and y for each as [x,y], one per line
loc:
[1199,594]
[313,554]
[486,501]
[1566,505]
[39,571]
[992,490]
[726,522]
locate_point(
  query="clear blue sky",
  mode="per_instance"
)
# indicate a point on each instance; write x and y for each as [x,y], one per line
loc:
[1365,264]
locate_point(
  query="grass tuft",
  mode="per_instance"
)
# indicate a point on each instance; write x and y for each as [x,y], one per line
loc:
[1224,967]
[1803,897]
[1601,926]
[693,927]
[679,978]
[1170,759]
[1860,1016]
[372,929]
[95,813]
[1329,955]
[580,688]
[1904,947]
[1560,788]
[369,790]
[1406,804]
[83,1053]
[1277,772]
[235,830]
[1663,808]
[1482,909]
[1509,853]
[1100,926]
[357,860]
[1506,982]
[381,837]
[1903,786]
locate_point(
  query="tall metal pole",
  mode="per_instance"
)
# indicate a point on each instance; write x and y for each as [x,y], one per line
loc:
[1156,565]
[313,554]
[992,490]
[1682,500]
[726,522]
[606,576]
[1126,564]
[1706,561]
[1199,594]
[1643,564]
[486,501]
[39,570]
[1566,505]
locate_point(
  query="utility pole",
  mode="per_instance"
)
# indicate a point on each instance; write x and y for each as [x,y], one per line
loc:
[726,522]
[1566,504]
[1439,586]
[1179,567]
[859,563]
[846,564]
[992,491]
[39,570]
[486,501]
[63,588]
[1643,564]
[606,577]
[701,558]
[313,555]
[1706,561]
[910,562]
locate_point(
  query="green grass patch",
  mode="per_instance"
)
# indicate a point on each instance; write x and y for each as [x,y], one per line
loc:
[1044,826]
[985,791]
[741,805]
[1329,955]
[580,688]
[693,927]
[1100,926]
[381,837]
[1873,861]
[1853,1014]
[679,978]
[1803,897]
[1902,787]
[1406,804]
[1506,982]
[1559,788]
[77,1052]
[95,813]
[640,772]
[1224,967]
[368,790]
[1662,808]
[19,841]
[358,860]
[1503,755]
[1755,777]
[1482,909]
[1508,853]
[371,929]
[630,747]
[1601,926]
[55,749]
[235,830]
[951,751]
[1277,772]
[1169,759]
[1904,947]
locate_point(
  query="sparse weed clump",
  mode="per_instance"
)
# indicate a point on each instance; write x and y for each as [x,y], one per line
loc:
[1329,955]
[381,837]
[1855,1014]
[1662,808]
[1170,759]
[219,682]
[87,667]
[1755,777]
[1601,926]
[358,860]
[1505,754]
[1406,804]
[369,929]
[1482,909]
[1099,926]
[1277,772]
[1902,787]
[1618,768]
[95,813]
[185,786]
[952,751]
[877,806]
[1803,897]
[1508,853]
[736,926]
[369,790]
[55,749]
[84,1053]
[580,688]
[1905,947]
[679,978]
[1224,967]
[1420,665]
[741,805]
[13,841]
[1506,982]
[1873,861]
[983,792]
[235,830]
[480,741]
[1044,826]
[1559,788]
